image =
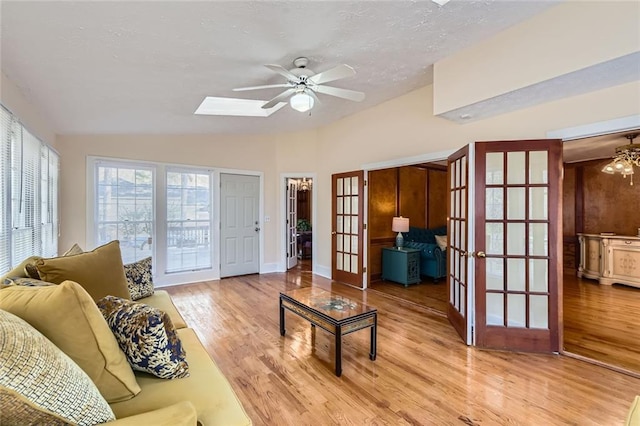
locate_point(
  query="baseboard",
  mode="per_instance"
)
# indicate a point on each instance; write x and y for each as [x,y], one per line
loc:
[323,271]
[268,268]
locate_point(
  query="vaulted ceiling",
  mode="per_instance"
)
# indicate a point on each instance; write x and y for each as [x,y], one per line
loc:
[96,67]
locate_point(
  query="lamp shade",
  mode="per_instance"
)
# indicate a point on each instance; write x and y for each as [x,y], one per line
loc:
[301,102]
[400,224]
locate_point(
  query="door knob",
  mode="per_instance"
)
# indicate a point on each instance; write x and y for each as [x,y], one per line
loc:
[481,254]
[333,232]
[257,229]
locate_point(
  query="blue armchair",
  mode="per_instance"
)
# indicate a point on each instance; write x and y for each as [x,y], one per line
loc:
[433,262]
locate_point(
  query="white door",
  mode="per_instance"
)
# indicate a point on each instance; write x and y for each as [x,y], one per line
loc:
[239,225]
[292,221]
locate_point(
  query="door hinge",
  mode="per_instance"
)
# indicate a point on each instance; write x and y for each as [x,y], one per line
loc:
[364,269]
[364,226]
[365,182]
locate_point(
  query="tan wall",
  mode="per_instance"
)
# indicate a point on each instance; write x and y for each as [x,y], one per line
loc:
[537,50]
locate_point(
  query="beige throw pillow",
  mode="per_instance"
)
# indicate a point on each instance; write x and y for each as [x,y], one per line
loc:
[69,318]
[38,382]
[100,271]
[441,240]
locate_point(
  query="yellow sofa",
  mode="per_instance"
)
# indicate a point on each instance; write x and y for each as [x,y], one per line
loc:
[204,398]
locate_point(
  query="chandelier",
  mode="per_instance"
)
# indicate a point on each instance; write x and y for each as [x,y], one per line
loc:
[626,157]
[304,184]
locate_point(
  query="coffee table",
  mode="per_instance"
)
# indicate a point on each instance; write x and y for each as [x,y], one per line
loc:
[336,314]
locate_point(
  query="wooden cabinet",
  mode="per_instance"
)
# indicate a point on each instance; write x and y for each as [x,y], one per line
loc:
[401,266]
[610,259]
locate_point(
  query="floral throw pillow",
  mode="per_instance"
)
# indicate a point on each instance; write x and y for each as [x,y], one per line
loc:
[139,278]
[21,281]
[147,337]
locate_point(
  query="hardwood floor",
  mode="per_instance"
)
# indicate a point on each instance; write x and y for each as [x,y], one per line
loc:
[423,373]
[601,321]
[427,293]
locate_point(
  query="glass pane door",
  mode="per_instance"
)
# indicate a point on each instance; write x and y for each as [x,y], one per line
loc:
[348,202]
[458,290]
[517,272]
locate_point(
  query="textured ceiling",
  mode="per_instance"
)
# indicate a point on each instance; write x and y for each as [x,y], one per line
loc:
[144,67]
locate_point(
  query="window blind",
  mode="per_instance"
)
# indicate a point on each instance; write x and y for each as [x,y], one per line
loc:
[29,171]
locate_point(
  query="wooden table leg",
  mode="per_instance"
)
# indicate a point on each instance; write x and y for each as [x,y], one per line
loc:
[282,330]
[374,332]
[338,351]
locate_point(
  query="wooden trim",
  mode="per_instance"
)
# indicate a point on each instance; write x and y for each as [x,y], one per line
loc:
[579,194]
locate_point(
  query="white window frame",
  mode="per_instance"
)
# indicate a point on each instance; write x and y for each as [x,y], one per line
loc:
[160,278]
[44,179]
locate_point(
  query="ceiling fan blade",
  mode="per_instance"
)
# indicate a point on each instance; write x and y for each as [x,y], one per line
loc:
[336,73]
[266,86]
[351,95]
[281,97]
[282,71]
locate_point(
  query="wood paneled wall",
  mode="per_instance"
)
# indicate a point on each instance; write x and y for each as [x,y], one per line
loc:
[595,202]
[437,198]
[415,192]
[383,204]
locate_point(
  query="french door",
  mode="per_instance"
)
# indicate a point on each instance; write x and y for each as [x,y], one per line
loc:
[459,295]
[347,213]
[514,247]
[292,223]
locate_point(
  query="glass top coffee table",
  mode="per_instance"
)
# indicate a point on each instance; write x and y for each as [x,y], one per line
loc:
[336,314]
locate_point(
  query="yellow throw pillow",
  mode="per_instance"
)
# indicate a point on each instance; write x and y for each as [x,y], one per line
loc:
[100,271]
[18,271]
[69,318]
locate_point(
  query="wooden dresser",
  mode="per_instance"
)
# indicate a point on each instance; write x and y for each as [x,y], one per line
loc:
[610,258]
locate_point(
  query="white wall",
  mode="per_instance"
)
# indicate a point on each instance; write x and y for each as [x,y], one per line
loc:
[29,114]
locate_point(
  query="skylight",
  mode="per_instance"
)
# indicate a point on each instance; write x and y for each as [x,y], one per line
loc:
[212,105]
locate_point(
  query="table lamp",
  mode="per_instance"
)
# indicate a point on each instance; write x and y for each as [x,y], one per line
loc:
[400,225]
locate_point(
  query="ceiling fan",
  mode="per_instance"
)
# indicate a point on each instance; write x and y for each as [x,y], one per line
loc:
[303,84]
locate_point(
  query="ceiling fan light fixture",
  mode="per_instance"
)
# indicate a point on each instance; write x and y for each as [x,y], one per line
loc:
[301,102]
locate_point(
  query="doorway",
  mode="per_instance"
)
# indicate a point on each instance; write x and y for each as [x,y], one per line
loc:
[299,215]
[417,192]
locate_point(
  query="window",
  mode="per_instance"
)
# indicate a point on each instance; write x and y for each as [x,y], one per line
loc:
[29,172]
[124,209]
[157,210]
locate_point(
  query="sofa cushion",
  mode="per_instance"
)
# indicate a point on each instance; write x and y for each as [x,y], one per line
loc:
[179,414]
[206,388]
[100,271]
[18,271]
[162,301]
[36,375]
[69,318]
[147,337]
[31,270]
[139,278]
[633,417]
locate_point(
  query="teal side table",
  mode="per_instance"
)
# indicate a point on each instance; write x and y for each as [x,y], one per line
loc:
[401,266]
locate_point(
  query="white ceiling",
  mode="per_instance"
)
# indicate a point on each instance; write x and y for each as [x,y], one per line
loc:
[144,67]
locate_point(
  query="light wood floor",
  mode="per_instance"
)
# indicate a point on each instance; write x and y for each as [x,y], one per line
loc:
[426,293]
[601,321]
[423,373]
